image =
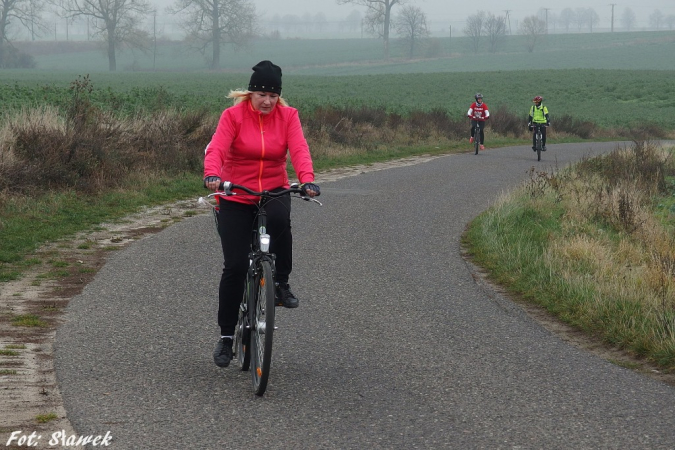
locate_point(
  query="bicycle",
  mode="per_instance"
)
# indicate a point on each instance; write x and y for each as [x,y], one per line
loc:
[538,139]
[255,327]
[477,134]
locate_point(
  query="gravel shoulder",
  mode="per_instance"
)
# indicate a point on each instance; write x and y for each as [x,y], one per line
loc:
[27,377]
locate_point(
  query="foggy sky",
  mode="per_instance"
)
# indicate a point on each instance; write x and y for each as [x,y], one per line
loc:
[456,12]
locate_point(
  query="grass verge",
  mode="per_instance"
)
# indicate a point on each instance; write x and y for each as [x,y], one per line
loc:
[593,246]
[28,223]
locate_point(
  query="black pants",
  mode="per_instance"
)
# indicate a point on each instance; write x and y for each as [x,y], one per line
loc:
[235,225]
[543,137]
[482,132]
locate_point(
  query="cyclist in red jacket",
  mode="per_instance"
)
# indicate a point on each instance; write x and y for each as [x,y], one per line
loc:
[478,112]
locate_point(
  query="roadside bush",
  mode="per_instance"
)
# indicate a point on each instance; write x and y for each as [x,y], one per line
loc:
[570,125]
[507,123]
[447,126]
[13,58]
[647,131]
[643,163]
[627,181]
[366,127]
[88,149]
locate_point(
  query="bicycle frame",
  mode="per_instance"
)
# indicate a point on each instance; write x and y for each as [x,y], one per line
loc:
[476,135]
[538,138]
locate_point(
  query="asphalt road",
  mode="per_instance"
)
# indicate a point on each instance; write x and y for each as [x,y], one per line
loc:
[394,345]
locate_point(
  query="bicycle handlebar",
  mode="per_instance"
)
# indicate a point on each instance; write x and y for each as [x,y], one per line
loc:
[225,190]
[227,187]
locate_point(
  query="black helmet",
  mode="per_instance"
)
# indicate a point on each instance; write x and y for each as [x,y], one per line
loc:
[478,95]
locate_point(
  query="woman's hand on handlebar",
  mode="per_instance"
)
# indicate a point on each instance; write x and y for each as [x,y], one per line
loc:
[212,183]
[310,189]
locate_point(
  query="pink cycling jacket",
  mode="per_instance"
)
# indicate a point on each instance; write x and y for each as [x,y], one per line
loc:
[250,148]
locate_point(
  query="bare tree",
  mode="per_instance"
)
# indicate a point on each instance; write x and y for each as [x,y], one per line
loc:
[656,19]
[670,21]
[306,21]
[495,30]
[628,19]
[411,25]
[25,13]
[566,18]
[474,28]
[534,28]
[592,18]
[290,22]
[320,21]
[117,21]
[216,22]
[580,18]
[553,19]
[353,20]
[378,17]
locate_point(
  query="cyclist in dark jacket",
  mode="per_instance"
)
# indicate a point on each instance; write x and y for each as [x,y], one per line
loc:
[538,114]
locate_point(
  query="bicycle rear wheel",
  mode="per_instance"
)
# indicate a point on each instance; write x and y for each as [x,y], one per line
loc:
[262,328]
[242,331]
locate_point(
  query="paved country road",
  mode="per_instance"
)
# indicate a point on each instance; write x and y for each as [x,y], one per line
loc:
[394,345]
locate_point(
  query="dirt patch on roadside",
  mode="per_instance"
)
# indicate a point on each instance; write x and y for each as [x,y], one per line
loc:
[31,309]
[28,385]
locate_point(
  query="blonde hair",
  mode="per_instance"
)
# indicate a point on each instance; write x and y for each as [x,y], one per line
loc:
[241,95]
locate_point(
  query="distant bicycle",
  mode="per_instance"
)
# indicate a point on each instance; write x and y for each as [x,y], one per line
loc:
[255,327]
[478,133]
[538,138]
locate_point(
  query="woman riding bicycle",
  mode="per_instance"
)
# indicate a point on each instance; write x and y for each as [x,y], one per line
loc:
[538,114]
[478,112]
[250,147]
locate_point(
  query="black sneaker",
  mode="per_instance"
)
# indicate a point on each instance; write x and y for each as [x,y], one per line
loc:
[222,355]
[285,297]
[543,149]
[534,149]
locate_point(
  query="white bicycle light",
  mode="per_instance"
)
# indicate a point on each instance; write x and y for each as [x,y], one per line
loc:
[264,242]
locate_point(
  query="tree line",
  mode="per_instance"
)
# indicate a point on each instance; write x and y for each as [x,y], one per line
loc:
[209,25]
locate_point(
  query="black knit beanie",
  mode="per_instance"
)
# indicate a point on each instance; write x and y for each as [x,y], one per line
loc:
[266,78]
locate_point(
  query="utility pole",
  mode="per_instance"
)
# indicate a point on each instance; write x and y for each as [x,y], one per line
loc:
[546,16]
[154,38]
[612,5]
[508,20]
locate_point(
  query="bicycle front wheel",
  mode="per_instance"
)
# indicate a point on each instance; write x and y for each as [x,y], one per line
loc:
[262,328]
[539,145]
[242,332]
[476,141]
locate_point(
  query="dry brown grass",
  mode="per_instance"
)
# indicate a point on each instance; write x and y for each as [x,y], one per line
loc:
[612,239]
[587,244]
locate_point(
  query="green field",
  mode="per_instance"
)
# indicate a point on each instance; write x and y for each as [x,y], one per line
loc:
[610,98]
[612,79]
[639,51]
